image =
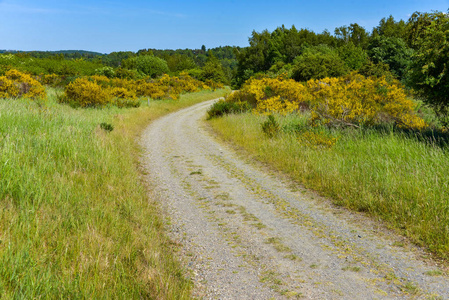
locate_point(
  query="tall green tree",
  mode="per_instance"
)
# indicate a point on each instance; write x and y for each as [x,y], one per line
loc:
[392,51]
[353,33]
[354,57]
[429,36]
[318,62]
[213,70]
[388,27]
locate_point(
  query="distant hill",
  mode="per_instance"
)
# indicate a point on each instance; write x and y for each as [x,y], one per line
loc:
[68,54]
[82,52]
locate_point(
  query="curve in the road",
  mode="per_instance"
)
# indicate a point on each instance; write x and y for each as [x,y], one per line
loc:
[246,234]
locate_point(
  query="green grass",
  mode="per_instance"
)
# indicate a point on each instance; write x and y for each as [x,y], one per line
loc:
[75,218]
[391,176]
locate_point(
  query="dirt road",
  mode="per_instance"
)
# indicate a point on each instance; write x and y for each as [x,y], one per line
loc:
[249,234]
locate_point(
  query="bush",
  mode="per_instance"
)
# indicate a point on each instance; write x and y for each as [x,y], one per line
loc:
[148,65]
[51,80]
[123,97]
[16,84]
[222,107]
[85,93]
[270,95]
[105,71]
[352,100]
[121,103]
[270,127]
[357,101]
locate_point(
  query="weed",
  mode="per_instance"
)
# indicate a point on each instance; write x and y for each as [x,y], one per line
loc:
[434,273]
[270,127]
[107,127]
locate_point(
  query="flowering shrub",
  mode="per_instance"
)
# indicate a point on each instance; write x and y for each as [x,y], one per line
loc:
[270,95]
[99,90]
[168,87]
[123,97]
[86,93]
[15,84]
[352,100]
[7,88]
[355,100]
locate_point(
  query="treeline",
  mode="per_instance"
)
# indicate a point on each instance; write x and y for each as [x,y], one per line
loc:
[415,51]
[306,55]
[218,63]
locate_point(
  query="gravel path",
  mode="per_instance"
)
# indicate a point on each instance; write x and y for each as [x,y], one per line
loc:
[246,233]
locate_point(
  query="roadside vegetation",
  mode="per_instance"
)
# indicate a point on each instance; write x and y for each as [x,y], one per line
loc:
[358,116]
[372,138]
[75,218]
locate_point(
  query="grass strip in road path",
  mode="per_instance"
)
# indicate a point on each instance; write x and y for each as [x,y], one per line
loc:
[392,176]
[75,218]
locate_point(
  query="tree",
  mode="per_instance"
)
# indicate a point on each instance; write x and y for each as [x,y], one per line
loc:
[213,70]
[390,28]
[147,65]
[354,57]
[353,33]
[391,51]
[317,63]
[429,36]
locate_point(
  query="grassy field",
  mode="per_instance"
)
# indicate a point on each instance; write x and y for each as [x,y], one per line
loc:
[392,176]
[75,218]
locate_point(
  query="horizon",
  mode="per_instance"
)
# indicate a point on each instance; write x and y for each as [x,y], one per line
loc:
[111,26]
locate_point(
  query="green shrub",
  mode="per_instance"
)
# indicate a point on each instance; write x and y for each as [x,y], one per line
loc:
[148,65]
[223,107]
[107,127]
[121,102]
[270,127]
[105,71]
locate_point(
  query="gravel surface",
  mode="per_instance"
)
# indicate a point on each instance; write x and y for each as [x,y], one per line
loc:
[246,233]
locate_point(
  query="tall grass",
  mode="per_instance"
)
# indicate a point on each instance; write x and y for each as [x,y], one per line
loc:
[75,218]
[392,176]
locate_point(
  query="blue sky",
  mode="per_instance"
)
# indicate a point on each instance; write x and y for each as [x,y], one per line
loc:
[130,25]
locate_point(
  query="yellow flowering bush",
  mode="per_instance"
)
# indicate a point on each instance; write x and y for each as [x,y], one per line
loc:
[123,97]
[270,95]
[15,84]
[7,88]
[168,87]
[123,93]
[354,100]
[86,93]
[99,90]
